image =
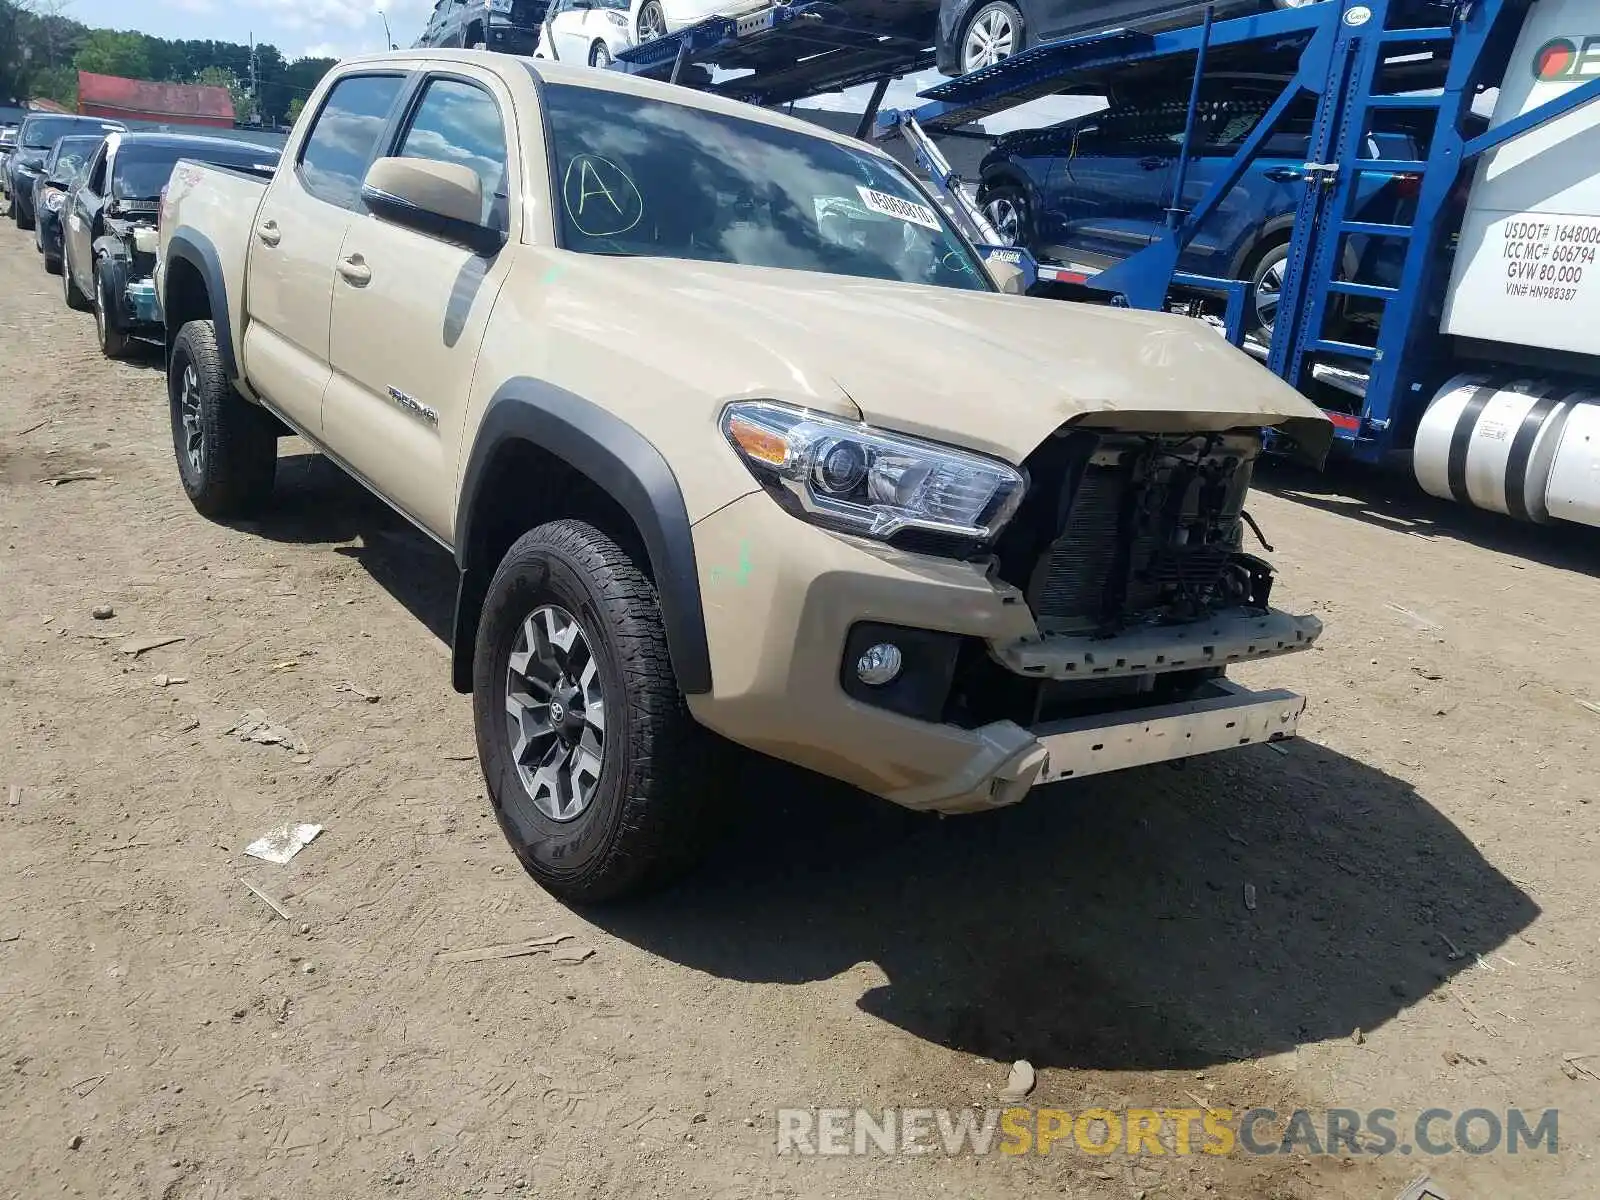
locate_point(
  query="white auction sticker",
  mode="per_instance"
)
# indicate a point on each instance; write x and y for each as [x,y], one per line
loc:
[893,206]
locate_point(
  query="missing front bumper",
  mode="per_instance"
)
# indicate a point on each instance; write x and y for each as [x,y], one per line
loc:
[1225,717]
[1217,641]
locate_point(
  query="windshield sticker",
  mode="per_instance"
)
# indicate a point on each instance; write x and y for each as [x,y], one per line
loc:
[600,199]
[903,210]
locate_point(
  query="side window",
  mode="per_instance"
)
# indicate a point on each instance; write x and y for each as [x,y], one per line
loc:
[459,122]
[1292,137]
[96,182]
[340,147]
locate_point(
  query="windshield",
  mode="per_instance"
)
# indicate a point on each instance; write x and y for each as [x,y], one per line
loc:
[142,171]
[638,176]
[40,133]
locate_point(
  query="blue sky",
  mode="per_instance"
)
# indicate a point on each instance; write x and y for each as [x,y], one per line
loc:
[296,27]
[335,28]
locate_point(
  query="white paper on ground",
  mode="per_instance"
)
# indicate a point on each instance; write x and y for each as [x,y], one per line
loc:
[283,843]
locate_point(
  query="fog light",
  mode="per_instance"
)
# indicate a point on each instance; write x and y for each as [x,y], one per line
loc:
[879,665]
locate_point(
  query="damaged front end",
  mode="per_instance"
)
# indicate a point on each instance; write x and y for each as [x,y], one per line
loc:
[128,249]
[1129,551]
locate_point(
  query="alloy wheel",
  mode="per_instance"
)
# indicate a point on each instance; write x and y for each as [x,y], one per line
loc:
[555,713]
[652,24]
[991,37]
[1006,218]
[189,415]
[1268,291]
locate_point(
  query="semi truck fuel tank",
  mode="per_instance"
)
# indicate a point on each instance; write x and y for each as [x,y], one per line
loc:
[1529,448]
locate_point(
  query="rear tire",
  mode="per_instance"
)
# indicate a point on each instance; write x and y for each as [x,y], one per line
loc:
[1264,272]
[52,264]
[24,223]
[227,448]
[651,22]
[70,291]
[593,814]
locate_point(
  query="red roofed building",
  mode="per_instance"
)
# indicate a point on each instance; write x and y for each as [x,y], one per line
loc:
[179,103]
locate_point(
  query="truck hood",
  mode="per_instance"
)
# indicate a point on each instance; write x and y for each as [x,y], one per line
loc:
[994,372]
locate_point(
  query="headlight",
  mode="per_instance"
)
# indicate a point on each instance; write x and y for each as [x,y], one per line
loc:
[53,200]
[616,18]
[500,6]
[856,479]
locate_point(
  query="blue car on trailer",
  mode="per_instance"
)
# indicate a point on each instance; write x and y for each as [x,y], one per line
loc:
[1091,191]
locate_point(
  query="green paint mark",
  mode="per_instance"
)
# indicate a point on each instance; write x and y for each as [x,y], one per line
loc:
[741,576]
[551,275]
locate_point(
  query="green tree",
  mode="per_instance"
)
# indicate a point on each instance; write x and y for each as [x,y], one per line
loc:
[243,105]
[106,52]
[296,106]
[55,83]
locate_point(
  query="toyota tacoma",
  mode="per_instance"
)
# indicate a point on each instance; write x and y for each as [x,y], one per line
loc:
[733,438]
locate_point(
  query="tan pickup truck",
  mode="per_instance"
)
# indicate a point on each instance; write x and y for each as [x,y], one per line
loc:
[732,436]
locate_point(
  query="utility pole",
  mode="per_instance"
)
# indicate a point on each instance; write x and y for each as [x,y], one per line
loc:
[255,98]
[388,38]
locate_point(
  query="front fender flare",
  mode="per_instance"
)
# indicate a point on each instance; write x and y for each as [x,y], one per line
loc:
[620,461]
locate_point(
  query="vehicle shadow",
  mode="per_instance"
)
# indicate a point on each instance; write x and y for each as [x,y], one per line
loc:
[1104,924]
[1392,500]
[315,503]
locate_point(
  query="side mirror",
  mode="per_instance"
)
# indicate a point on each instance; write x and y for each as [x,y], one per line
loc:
[443,200]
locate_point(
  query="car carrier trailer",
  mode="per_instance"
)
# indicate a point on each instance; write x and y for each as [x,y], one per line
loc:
[1480,369]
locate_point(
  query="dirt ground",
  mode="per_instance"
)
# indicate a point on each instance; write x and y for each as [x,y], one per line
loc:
[1423,864]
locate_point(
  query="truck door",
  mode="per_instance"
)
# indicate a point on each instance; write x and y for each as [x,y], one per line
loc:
[83,206]
[410,309]
[295,242]
[1113,183]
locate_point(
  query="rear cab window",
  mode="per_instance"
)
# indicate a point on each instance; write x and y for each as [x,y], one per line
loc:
[345,137]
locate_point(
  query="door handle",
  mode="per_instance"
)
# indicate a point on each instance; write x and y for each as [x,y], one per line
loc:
[1153,163]
[267,231]
[1284,175]
[355,271]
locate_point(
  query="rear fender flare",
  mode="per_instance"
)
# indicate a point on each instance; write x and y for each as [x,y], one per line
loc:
[189,245]
[619,461]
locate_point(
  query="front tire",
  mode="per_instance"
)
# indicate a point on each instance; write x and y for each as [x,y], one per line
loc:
[993,33]
[113,341]
[601,780]
[227,448]
[599,56]
[1007,208]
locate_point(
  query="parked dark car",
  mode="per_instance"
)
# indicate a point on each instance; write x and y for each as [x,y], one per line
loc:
[8,143]
[509,26]
[112,224]
[979,33]
[1093,190]
[62,169]
[38,133]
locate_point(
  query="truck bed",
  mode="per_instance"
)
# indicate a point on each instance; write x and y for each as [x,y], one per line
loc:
[223,202]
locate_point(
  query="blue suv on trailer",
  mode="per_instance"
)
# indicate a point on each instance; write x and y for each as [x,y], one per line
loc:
[1093,190]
